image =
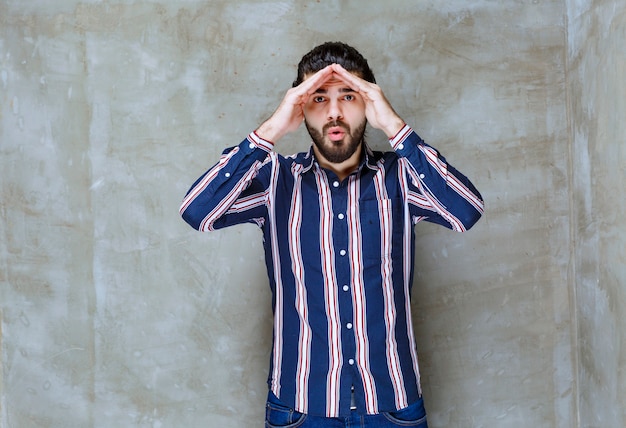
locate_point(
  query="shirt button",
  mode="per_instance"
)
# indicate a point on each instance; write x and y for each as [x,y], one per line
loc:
[422,176]
[400,146]
[351,361]
[346,288]
[342,252]
[227,174]
[336,184]
[340,216]
[349,326]
[251,145]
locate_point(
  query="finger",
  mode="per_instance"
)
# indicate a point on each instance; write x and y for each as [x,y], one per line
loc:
[354,81]
[315,81]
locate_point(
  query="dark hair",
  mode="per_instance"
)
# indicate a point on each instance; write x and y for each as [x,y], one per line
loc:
[334,53]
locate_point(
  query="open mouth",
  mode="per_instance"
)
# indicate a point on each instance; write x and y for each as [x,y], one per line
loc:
[336,133]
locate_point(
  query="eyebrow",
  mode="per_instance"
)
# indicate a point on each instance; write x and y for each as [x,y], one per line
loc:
[341,90]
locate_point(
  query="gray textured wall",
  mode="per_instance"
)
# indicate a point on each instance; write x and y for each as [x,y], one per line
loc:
[598,99]
[114,313]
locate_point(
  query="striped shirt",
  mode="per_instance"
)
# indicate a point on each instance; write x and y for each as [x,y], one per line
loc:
[339,258]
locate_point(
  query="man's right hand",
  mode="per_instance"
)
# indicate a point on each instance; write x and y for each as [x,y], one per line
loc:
[289,114]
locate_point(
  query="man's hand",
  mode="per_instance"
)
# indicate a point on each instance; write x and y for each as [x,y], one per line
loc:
[378,111]
[289,114]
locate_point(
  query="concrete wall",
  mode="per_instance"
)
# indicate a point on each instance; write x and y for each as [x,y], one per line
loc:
[598,99]
[115,313]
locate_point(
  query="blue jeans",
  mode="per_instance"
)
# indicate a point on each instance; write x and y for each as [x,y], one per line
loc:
[277,415]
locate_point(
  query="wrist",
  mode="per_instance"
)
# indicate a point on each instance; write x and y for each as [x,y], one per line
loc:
[392,129]
[269,132]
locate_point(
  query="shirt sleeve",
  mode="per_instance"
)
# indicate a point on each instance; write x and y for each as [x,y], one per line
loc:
[437,191]
[229,192]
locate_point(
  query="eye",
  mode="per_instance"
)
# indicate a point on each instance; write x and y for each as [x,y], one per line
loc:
[349,97]
[318,99]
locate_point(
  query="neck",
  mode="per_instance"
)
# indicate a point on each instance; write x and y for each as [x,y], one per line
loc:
[342,169]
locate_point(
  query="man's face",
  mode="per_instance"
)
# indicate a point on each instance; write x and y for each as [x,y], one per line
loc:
[335,118]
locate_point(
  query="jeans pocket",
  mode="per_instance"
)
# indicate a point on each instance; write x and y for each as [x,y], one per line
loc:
[412,416]
[278,415]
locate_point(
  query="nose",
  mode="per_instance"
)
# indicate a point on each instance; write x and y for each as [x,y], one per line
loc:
[334,110]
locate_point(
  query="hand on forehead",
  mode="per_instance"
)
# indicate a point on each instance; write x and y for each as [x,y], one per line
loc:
[346,76]
[332,74]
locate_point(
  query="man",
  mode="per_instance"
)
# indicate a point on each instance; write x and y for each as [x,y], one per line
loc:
[338,232]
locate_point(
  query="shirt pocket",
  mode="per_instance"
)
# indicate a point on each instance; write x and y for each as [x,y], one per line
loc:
[382,228]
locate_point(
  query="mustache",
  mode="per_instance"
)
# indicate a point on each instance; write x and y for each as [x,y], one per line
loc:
[334,123]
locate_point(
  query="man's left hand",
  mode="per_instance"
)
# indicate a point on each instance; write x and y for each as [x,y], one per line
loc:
[378,111]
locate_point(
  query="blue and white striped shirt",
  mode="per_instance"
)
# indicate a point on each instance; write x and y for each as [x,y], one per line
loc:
[339,257]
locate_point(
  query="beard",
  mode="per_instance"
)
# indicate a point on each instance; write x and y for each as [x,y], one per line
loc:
[337,151]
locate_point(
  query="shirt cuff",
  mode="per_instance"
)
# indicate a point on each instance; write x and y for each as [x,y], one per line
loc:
[397,142]
[256,141]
